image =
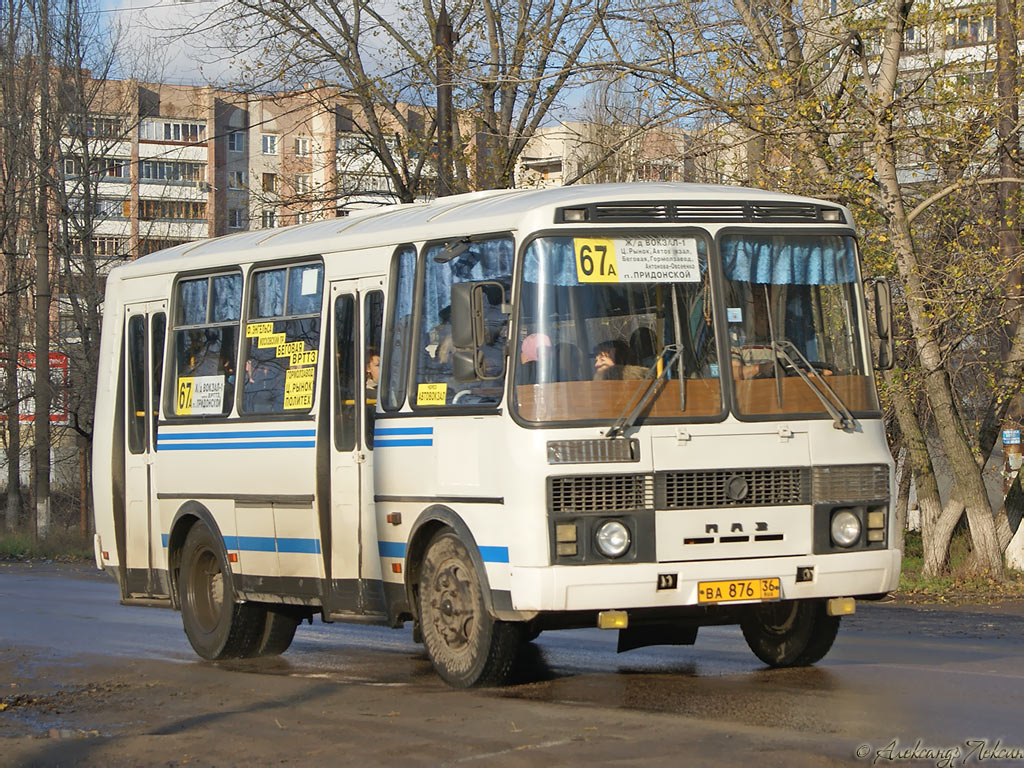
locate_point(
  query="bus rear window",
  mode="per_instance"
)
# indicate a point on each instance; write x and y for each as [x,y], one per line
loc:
[282,333]
[207,310]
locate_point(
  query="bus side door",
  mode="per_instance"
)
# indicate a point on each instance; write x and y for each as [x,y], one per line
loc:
[356,314]
[145,331]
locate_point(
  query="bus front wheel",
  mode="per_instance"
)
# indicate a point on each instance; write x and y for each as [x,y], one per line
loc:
[465,644]
[216,626]
[791,633]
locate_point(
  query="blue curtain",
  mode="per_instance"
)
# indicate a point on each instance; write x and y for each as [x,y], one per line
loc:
[789,259]
[551,261]
[487,260]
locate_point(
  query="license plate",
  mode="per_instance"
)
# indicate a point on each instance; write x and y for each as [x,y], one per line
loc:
[740,589]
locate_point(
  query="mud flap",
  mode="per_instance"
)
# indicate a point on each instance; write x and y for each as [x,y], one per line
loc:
[656,634]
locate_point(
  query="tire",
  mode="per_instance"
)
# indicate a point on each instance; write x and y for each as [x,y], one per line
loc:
[278,632]
[216,626]
[791,633]
[465,644]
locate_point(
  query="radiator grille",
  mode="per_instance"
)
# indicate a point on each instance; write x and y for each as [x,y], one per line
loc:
[863,482]
[732,488]
[599,493]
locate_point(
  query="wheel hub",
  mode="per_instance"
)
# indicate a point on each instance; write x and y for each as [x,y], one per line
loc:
[452,601]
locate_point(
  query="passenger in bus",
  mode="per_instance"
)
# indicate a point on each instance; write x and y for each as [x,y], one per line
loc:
[372,370]
[613,359]
[644,346]
[534,354]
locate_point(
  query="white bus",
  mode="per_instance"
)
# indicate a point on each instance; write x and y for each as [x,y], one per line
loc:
[642,407]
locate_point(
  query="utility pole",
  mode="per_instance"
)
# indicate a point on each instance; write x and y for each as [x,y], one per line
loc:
[41,243]
[443,42]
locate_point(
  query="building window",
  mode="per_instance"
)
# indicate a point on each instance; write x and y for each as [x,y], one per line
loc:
[302,217]
[112,168]
[269,144]
[94,126]
[162,170]
[172,130]
[302,146]
[236,141]
[236,179]
[269,219]
[235,218]
[270,182]
[302,184]
[970,29]
[182,210]
[113,247]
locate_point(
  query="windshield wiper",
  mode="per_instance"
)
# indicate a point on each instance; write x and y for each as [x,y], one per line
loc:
[841,416]
[645,393]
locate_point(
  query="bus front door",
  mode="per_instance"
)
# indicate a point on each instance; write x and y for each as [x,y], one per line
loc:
[353,565]
[145,330]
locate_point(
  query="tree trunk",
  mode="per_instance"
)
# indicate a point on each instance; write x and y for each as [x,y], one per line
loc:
[902,498]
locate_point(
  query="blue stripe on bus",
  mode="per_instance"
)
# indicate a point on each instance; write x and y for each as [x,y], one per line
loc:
[391,548]
[229,435]
[487,554]
[494,554]
[266,544]
[378,443]
[236,446]
[403,431]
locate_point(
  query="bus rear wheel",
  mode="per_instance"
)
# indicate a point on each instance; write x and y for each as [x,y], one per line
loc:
[465,644]
[790,633]
[216,626]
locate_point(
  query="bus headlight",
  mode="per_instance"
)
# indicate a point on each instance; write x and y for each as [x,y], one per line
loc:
[612,539]
[845,528]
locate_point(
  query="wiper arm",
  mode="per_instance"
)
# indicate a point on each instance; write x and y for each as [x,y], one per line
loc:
[645,393]
[841,416]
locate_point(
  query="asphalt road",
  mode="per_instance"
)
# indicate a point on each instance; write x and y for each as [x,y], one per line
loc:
[86,681]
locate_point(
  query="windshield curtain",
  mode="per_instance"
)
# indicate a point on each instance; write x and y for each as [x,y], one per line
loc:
[596,314]
[795,294]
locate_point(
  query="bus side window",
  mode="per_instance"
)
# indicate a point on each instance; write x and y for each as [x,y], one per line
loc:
[283,333]
[373,318]
[399,330]
[136,420]
[158,334]
[345,359]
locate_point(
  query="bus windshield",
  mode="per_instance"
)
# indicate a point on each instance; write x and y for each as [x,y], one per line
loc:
[598,314]
[595,318]
[791,307]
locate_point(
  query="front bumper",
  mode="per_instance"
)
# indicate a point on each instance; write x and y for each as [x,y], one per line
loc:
[623,586]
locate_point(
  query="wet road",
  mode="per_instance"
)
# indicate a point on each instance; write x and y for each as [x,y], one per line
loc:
[952,679]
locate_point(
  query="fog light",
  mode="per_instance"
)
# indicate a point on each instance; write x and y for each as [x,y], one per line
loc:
[876,535]
[845,528]
[566,549]
[612,539]
[876,519]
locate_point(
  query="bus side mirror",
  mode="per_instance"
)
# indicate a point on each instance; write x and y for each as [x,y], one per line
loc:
[478,351]
[882,299]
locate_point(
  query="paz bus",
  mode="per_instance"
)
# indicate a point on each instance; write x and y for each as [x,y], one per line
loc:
[641,407]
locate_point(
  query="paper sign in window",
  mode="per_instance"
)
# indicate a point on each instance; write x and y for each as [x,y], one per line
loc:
[432,394]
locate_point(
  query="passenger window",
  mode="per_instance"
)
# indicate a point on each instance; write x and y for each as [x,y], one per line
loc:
[158,334]
[207,310]
[373,318]
[282,332]
[136,420]
[346,359]
[397,349]
[489,260]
